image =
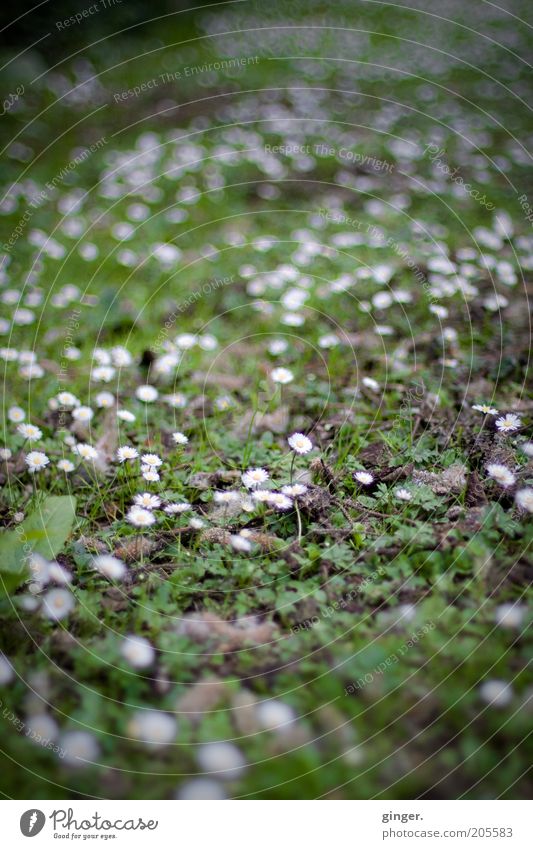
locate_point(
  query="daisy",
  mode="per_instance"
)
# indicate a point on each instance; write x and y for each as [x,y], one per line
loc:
[496,693]
[508,423]
[370,383]
[103,374]
[16,414]
[201,788]
[227,497]
[36,460]
[280,501]
[82,414]
[67,399]
[85,451]
[146,393]
[261,495]
[42,729]
[65,466]
[177,400]
[239,543]
[180,438]
[197,523]
[6,670]
[300,443]
[294,490]
[146,500]
[254,477]
[403,494]
[524,499]
[510,615]
[527,448]
[140,517]
[78,748]
[282,375]
[364,478]
[137,651]
[150,474]
[109,566]
[222,758]
[277,347]
[126,452]
[125,416]
[105,400]
[485,409]
[57,604]
[180,507]
[153,727]
[30,432]
[5,453]
[501,474]
[274,715]
[58,574]
[151,460]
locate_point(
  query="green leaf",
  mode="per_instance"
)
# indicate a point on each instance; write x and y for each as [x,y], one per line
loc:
[44,532]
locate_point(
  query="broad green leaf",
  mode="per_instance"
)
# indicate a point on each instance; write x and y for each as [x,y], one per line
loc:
[44,532]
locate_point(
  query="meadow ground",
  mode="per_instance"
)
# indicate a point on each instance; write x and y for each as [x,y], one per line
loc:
[266,455]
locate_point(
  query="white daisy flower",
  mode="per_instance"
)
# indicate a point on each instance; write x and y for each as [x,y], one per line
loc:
[254,477]
[150,474]
[65,466]
[79,748]
[501,474]
[6,670]
[365,478]
[58,574]
[524,499]
[275,715]
[127,452]
[300,443]
[180,438]
[179,507]
[67,399]
[16,414]
[125,416]
[510,615]
[201,788]
[224,402]
[508,423]
[147,393]
[30,432]
[277,347]
[485,409]
[370,383]
[496,693]
[82,414]
[137,651]
[43,729]
[5,453]
[294,490]
[177,400]
[223,759]
[110,567]
[57,604]
[282,375]
[146,500]
[262,496]
[239,543]
[36,461]
[103,374]
[104,400]
[229,496]
[151,460]
[280,501]
[197,523]
[403,494]
[72,353]
[140,517]
[527,448]
[85,451]
[153,727]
